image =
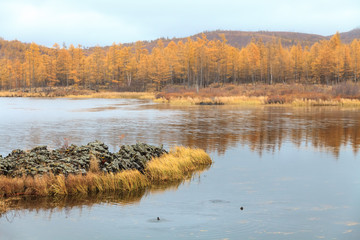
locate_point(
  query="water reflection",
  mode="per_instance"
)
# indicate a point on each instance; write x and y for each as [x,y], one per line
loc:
[281,198]
[213,128]
[268,128]
[52,204]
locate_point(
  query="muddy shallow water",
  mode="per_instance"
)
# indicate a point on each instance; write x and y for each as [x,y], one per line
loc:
[295,171]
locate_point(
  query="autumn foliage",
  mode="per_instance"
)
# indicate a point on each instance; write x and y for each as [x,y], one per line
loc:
[191,63]
[179,164]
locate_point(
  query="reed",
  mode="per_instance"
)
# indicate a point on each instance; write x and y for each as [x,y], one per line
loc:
[350,102]
[231,100]
[180,162]
[127,180]
[293,94]
[3,207]
[347,94]
[114,95]
[21,94]
[174,166]
[73,93]
[341,102]
[242,100]
[261,100]
[94,164]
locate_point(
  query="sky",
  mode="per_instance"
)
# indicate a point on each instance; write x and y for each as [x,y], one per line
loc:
[94,22]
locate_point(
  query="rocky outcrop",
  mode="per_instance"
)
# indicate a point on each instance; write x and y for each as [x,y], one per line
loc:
[76,159]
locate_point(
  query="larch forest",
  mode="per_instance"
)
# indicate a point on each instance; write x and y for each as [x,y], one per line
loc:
[192,63]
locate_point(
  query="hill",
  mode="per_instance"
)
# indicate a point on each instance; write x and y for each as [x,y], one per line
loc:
[237,39]
[240,39]
[348,37]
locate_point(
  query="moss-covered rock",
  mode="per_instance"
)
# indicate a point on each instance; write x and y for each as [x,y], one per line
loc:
[76,159]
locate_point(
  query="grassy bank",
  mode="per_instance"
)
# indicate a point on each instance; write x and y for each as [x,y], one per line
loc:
[344,94]
[198,100]
[75,93]
[259,101]
[132,95]
[179,163]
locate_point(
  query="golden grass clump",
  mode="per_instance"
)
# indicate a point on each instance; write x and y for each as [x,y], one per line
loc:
[113,95]
[3,206]
[342,102]
[260,94]
[292,94]
[94,164]
[232,100]
[127,180]
[174,166]
[11,186]
[350,102]
[21,94]
[178,163]
[75,93]
[183,101]
[241,100]
[58,185]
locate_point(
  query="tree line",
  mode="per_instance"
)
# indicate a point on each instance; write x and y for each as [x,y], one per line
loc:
[192,63]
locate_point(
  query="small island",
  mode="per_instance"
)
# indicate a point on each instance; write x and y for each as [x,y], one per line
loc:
[92,168]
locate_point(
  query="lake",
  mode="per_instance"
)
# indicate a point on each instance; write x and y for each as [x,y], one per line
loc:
[295,171]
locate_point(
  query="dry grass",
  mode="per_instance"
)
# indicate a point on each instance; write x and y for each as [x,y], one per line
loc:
[60,202]
[345,94]
[129,180]
[73,184]
[231,100]
[177,165]
[94,164]
[76,93]
[178,100]
[180,162]
[114,95]
[20,94]
[242,100]
[3,207]
[342,102]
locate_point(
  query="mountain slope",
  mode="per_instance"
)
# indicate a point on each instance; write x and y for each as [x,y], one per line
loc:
[237,39]
[242,38]
[348,37]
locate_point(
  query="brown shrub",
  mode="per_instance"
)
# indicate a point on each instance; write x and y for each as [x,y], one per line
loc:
[347,89]
[94,164]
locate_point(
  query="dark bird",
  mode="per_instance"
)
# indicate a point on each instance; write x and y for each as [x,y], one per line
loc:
[158,218]
[241,208]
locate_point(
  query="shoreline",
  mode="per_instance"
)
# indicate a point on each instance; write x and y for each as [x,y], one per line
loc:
[297,95]
[175,166]
[79,200]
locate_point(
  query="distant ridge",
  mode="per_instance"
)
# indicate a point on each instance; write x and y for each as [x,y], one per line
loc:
[237,39]
[348,37]
[242,38]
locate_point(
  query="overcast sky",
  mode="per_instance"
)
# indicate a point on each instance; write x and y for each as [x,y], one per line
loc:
[92,22]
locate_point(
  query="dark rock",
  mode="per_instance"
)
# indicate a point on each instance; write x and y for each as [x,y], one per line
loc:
[210,103]
[76,160]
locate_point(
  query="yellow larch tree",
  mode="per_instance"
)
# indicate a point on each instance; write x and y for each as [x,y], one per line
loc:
[254,60]
[296,53]
[34,66]
[355,57]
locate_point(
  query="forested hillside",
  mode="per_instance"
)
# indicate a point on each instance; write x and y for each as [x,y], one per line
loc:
[192,62]
[240,39]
